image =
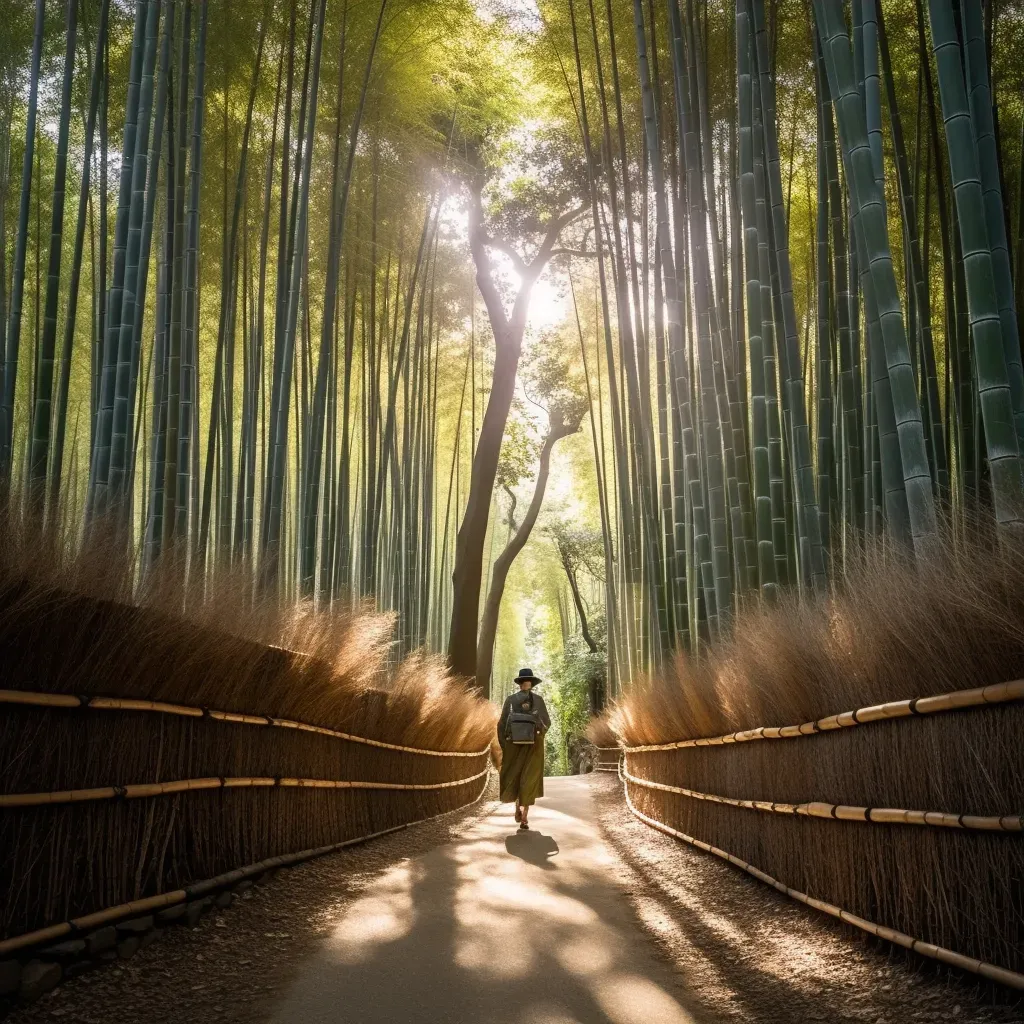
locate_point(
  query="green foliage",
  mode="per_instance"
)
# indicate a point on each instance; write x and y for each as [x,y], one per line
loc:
[573,676]
[580,546]
[518,454]
[553,379]
[540,176]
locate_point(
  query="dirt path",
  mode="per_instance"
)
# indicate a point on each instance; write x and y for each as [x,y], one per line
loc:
[590,918]
[499,927]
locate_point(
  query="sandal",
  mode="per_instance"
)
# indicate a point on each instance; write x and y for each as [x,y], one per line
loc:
[519,813]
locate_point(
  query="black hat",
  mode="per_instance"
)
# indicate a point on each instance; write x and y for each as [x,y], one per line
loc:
[526,676]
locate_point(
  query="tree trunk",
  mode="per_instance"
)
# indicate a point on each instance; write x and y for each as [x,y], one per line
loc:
[508,342]
[577,600]
[503,563]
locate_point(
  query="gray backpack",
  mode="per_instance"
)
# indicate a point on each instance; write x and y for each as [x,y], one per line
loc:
[521,727]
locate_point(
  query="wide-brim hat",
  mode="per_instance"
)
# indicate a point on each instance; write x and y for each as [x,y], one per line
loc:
[526,676]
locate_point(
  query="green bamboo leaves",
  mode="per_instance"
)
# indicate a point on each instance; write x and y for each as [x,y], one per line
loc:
[245,355]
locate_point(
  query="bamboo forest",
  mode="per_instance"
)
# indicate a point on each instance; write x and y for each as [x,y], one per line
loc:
[355,354]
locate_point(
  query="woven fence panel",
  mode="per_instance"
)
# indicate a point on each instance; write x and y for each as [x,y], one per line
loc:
[957,888]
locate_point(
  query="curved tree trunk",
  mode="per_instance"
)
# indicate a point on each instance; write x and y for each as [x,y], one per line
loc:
[577,600]
[503,563]
[508,342]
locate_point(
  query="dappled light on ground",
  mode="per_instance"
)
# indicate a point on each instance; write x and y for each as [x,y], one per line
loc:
[383,916]
[503,926]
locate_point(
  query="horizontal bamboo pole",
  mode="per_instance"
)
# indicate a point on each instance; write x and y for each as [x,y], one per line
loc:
[198,889]
[929,949]
[65,700]
[149,789]
[998,693]
[843,812]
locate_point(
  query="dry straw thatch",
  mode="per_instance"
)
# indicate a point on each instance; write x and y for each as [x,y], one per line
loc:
[80,626]
[894,631]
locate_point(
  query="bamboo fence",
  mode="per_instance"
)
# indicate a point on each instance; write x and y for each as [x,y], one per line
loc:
[950,877]
[929,949]
[196,890]
[141,751]
[208,824]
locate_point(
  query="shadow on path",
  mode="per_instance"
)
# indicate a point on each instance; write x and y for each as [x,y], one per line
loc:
[533,847]
[468,934]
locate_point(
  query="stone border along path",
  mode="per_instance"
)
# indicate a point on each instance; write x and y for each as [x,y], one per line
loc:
[464,920]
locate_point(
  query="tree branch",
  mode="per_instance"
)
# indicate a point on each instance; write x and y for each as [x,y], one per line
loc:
[586,253]
[478,242]
[555,228]
[577,600]
[511,508]
[522,267]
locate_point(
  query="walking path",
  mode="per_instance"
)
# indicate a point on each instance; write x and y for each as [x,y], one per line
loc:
[498,928]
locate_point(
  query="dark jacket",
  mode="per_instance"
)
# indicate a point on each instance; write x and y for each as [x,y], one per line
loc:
[513,702]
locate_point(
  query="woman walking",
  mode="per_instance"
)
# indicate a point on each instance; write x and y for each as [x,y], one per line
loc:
[521,728]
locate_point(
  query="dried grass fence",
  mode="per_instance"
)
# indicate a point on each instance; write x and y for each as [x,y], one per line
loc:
[902,818]
[144,749]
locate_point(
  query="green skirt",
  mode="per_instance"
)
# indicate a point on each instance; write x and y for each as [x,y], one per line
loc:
[522,772]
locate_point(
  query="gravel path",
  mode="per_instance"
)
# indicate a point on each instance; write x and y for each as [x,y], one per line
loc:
[755,955]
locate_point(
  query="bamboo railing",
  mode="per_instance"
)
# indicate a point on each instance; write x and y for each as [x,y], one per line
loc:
[67,700]
[842,812]
[958,700]
[997,693]
[151,789]
[197,890]
[929,949]
[608,764]
[415,763]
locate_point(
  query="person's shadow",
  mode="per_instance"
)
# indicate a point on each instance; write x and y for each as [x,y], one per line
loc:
[533,847]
